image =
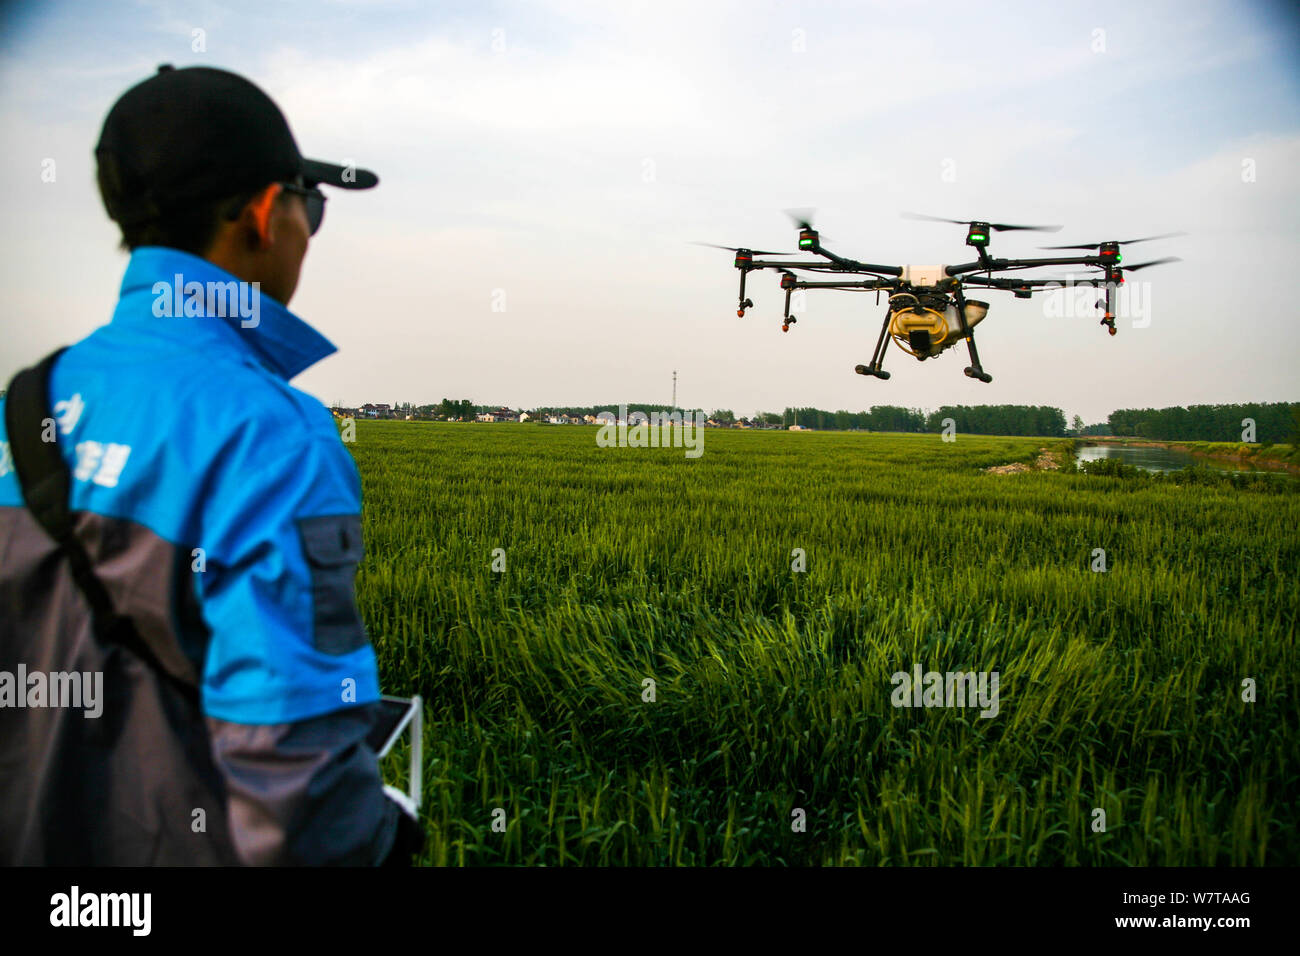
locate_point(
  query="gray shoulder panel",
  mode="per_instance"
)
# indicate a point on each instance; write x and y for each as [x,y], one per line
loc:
[332,546]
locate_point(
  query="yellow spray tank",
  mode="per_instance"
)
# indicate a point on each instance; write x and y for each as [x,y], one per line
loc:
[924,324]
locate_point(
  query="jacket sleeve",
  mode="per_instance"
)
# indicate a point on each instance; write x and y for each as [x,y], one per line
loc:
[290,678]
[305,792]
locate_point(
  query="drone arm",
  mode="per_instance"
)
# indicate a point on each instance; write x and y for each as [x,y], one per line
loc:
[1009,282]
[1000,265]
[839,261]
[771,264]
[1064,261]
[1024,288]
[873,267]
[965,268]
[849,266]
[852,265]
[864,284]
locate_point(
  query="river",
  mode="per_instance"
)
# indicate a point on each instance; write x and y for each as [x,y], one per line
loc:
[1161,459]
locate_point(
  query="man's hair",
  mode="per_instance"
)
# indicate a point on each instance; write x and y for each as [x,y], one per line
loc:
[191,228]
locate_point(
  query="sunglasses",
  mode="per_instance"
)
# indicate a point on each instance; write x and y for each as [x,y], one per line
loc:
[314,200]
[312,197]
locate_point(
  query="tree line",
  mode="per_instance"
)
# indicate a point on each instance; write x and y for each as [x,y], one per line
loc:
[969,419]
[1274,422]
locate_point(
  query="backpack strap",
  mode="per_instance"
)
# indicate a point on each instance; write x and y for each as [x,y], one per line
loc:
[46,484]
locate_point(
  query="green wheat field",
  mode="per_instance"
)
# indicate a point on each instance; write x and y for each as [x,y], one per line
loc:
[771,738]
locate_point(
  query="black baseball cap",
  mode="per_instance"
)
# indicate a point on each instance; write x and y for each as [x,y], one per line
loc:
[200,133]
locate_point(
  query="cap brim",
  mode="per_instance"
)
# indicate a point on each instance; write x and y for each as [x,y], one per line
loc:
[331,174]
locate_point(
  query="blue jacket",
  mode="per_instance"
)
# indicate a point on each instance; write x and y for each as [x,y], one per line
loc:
[223,512]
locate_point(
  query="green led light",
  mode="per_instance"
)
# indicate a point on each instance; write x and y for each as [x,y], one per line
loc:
[805,243]
[978,237]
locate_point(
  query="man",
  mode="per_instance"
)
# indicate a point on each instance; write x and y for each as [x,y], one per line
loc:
[184,674]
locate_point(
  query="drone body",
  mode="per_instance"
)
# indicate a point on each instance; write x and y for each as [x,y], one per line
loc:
[928,310]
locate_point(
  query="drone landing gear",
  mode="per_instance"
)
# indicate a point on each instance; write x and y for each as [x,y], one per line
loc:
[878,355]
[974,370]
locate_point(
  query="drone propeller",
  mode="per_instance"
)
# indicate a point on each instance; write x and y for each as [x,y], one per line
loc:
[757,252]
[1153,262]
[995,226]
[809,237]
[801,217]
[1119,242]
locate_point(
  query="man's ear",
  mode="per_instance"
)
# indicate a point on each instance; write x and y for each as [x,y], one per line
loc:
[261,207]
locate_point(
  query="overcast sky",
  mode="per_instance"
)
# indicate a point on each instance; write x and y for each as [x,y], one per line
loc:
[558,158]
